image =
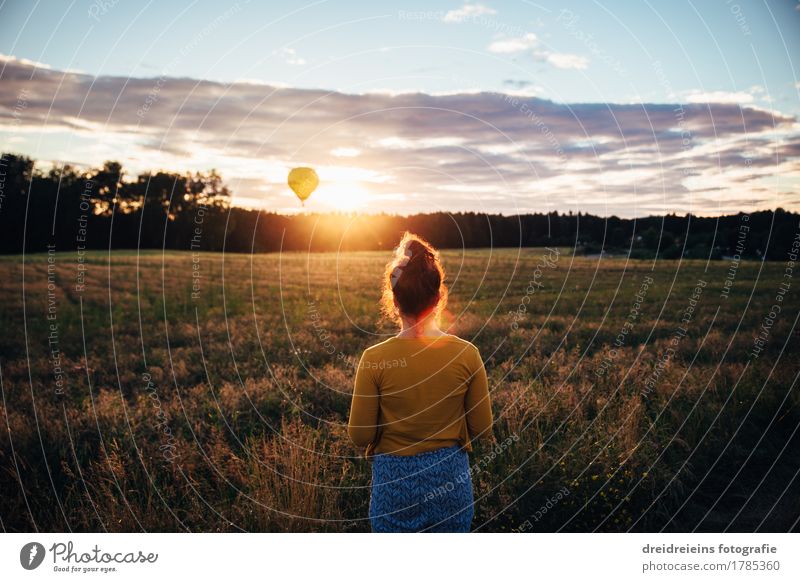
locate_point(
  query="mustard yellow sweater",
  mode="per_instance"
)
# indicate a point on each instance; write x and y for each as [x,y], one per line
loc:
[413,395]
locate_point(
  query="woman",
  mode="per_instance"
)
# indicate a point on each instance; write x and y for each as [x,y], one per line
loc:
[420,397]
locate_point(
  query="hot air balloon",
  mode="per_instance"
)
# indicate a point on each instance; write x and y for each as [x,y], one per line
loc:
[303,181]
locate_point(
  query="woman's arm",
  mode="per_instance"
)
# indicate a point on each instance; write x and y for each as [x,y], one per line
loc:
[363,424]
[477,406]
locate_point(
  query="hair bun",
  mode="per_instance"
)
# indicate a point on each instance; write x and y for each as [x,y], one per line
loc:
[415,278]
[416,250]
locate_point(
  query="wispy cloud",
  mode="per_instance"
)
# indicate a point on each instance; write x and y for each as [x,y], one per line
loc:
[520,87]
[289,56]
[529,43]
[468,11]
[566,61]
[742,97]
[346,152]
[4,59]
[513,45]
[414,151]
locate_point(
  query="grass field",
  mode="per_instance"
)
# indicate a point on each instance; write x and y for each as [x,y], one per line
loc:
[210,392]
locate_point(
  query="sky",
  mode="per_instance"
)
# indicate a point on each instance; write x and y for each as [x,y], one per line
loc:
[613,108]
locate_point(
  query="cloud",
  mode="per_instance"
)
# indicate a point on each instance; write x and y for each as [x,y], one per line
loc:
[517,83]
[413,151]
[346,152]
[530,43]
[742,97]
[8,59]
[520,87]
[566,61]
[513,45]
[468,11]
[289,56]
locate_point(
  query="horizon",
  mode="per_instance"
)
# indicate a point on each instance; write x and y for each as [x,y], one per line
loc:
[305,211]
[493,107]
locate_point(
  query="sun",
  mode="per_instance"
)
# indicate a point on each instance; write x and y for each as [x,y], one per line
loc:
[343,195]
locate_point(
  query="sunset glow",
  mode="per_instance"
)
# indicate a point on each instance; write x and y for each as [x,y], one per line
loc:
[511,112]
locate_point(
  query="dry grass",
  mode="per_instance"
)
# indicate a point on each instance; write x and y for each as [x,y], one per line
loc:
[242,427]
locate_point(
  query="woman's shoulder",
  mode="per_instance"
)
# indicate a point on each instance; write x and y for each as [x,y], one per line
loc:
[466,346]
[395,340]
[396,349]
[376,349]
[460,342]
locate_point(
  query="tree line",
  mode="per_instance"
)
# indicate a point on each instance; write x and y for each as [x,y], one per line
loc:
[68,208]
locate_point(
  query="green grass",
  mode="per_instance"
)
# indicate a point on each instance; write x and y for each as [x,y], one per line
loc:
[251,405]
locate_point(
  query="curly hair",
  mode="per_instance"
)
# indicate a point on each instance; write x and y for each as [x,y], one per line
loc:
[413,283]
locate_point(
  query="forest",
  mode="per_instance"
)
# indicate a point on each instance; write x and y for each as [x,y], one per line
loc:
[77,209]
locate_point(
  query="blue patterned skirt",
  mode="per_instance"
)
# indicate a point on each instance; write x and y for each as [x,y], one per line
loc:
[430,492]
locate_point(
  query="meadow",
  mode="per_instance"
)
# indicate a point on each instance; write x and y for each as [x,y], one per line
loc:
[187,391]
